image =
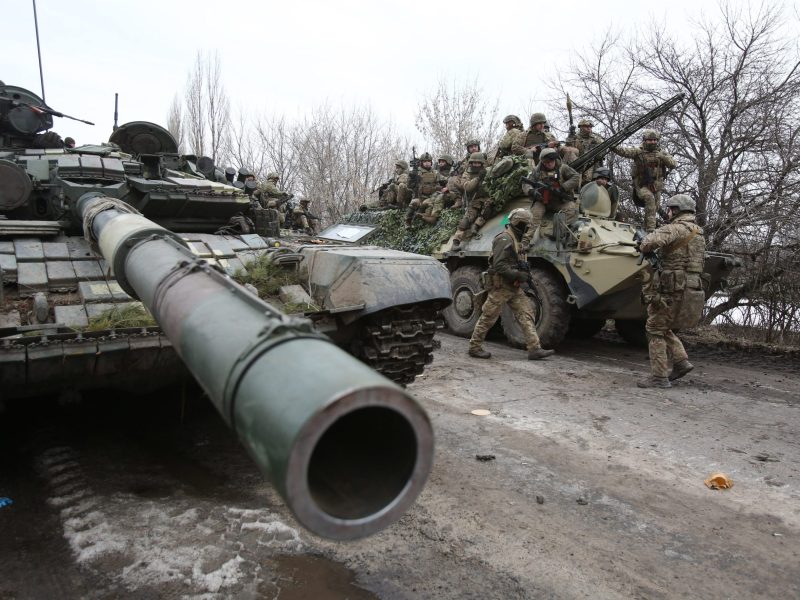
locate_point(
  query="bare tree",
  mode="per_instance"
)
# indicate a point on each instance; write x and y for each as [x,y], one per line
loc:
[455,112]
[735,138]
[175,121]
[207,116]
[194,98]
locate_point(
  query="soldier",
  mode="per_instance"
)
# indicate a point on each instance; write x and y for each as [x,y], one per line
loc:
[561,181]
[507,271]
[649,170]
[472,147]
[536,138]
[396,193]
[444,168]
[583,142]
[69,142]
[427,210]
[269,195]
[513,140]
[303,219]
[602,176]
[668,293]
[479,203]
[427,179]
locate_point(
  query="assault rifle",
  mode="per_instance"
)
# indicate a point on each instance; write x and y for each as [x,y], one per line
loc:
[381,189]
[652,257]
[540,187]
[582,162]
[413,176]
[525,266]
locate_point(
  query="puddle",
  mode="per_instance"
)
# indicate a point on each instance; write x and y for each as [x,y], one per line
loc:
[302,576]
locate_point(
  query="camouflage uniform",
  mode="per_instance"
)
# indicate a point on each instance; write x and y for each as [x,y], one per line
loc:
[535,138]
[446,169]
[649,169]
[503,287]
[269,195]
[513,140]
[428,210]
[427,178]
[682,251]
[583,142]
[562,177]
[302,219]
[397,193]
[479,207]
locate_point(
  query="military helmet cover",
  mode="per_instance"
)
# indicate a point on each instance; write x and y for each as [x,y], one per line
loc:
[447,158]
[682,202]
[602,172]
[514,119]
[650,134]
[401,163]
[538,118]
[548,153]
[585,123]
[520,215]
[477,157]
[273,175]
[426,156]
[472,143]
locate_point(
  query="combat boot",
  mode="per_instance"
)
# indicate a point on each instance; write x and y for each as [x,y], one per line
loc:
[479,353]
[539,353]
[654,382]
[679,369]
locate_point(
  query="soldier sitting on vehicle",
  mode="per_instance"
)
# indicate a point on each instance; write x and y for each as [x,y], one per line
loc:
[395,193]
[427,179]
[302,219]
[269,195]
[479,203]
[584,141]
[551,185]
[536,138]
[513,140]
[427,210]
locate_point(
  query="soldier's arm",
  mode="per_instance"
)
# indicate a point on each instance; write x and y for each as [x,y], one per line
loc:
[505,260]
[663,236]
[626,151]
[570,178]
[470,184]
[668,161]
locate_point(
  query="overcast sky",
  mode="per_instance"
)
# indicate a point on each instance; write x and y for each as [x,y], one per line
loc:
[285,57]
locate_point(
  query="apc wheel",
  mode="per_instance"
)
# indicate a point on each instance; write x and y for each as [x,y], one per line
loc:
[631,331]
[550,310]
[583,329]
[462,315]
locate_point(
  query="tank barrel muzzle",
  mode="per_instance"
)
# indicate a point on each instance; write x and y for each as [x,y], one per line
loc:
[347,449]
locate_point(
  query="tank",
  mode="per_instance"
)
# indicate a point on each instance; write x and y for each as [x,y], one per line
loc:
[128,228]
[68,324]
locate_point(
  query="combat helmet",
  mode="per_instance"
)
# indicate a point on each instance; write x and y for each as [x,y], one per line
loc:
[538,118]
[519,216]
[547,154]
[478,157]
[273,175]
[514,120]
[602,172]
[447,158]
[682,202]
[651,134]
[402,164]
[472,143]
[425,156]
[585,123]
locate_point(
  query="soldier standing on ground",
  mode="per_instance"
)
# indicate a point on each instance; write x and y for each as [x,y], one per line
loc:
[562,181]
[505,276]
[682,252]
[583,142]
[649,170]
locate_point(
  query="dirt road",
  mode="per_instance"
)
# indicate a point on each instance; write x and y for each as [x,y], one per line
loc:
[595,490]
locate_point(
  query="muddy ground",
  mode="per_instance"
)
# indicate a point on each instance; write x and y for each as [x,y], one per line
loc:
[595,491]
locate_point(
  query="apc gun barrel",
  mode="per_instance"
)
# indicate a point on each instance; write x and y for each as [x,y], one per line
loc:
[347,449]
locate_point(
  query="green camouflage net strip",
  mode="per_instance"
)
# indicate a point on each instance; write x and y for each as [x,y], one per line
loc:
[420,237]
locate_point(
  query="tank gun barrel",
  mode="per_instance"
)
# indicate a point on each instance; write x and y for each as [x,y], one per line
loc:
[347,449]
[583,161]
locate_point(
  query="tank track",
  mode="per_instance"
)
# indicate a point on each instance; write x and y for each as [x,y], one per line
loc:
[398,342]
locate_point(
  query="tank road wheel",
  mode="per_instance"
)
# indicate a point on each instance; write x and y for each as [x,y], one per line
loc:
[632,331]
[550,310]
[465,310]
[583,329]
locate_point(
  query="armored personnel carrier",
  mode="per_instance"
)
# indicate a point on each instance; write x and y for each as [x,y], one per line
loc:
[582,273]
[66,323]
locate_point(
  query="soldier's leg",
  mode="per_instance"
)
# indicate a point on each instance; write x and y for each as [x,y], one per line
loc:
[466,222]
[523,313]
[537,211]
[657,326]
[490,311]
[649,208]
[570,210]
[413,206]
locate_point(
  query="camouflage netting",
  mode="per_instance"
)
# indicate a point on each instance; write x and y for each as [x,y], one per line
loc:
[420,237]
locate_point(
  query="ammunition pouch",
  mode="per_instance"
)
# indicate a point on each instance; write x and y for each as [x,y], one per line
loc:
[267,221]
